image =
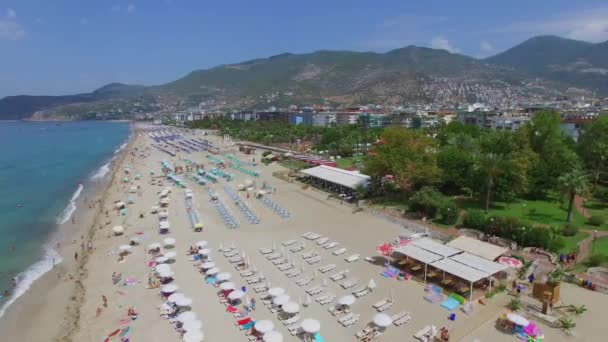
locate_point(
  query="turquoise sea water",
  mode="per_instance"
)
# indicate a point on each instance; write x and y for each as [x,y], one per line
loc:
[43,166]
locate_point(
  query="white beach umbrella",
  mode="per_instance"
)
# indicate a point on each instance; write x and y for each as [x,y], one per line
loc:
[134,240]
[281,300]
[346,300]
[166,274]
[169,242]
[382,320]
[154,246]
[261,276]
[169,288]
[517,319]
[291,308]
[204,251]
[125,248]
[227,285]
[263,326]
[213,271]
[243,256]
[308,301]
[300,301]
[171,254]
[324,283]
[224,276]
[175,296]
[247,301]
[208,265]
[194,324]
[273,336]
[372,284]
[162,268]
[193,336]
[164,225]
[201,244]
[186,316]
[311,326]
[183,301]
[161,259]
[118,230]
[221,247]
[276,291]
[236,294]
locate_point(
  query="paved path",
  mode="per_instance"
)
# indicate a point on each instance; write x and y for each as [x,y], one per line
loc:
[585,245]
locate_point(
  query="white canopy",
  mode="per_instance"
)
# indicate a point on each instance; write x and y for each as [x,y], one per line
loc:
[481,248]
[194,324]
[213,271]
[291,307]
[433,246]
[204,251]
[477,262]
[382,320]
[183,301]
[224,276]
[175,296]
[263,326]
[311,326]
[193,336]
[517,319]
[346,300]
[201,243]
[171,254]
[236,294]
[165,273]
[118,229]
[273,336]
[169,288]
[276,291]
[417,253]
[280,300]
[169,241]
[164,201]
[164,224]
[185,316]
[460,270]
[161,259]
[163,267]
[207,265]
[349,179]
[227,285]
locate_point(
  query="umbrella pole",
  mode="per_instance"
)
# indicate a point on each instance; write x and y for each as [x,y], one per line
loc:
[471,293]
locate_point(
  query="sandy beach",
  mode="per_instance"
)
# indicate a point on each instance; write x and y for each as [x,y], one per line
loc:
[87,319]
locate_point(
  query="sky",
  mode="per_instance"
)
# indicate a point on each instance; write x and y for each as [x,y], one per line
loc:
[53,47]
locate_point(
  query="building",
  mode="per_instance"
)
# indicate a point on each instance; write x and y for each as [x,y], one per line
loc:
[507,123]
[374,120]
[347,117]
[275,116]
[324,119]
[572,125]
[303,117]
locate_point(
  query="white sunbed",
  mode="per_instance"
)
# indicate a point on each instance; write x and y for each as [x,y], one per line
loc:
[323,296]
[327,268]
[235,259]
[253,280]
[380,303]
[304,281]
[297,248]
[294,328]
[313,236]
[266,250]
[385,307]
[327,300]
[289,242]
[231,253]
[291,320]
[316,291]
[338,276]
[353,258]
[339,251]
[314,260]
[307,234]
[273,256]
[322,241]
[293,273]
[352,321]
[403,319]
[362,293]
[347,284]
[285,267]
[246,273]
[279,261]
[260,288]
[330,245]
[346,317]
[310,254]
[314,288]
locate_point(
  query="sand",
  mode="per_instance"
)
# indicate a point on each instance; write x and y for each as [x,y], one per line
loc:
[310,210]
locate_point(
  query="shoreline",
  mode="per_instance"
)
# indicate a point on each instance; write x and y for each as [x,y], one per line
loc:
[50,298]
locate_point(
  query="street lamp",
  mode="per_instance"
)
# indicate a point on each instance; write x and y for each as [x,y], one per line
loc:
[594,239]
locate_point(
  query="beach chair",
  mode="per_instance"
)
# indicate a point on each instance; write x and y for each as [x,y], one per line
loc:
[399,315]
[347,284]
[273,256]
[385,307]
[313,236]
[403,320]
[297,248]
[346,317]
[266,250]
[235,259]
[316,291]
[304,281]
[253,280]
[365,332]
[323,297]
[260,288]
[327,268]
[353,258]
[288,242]
[354,320]
[294,328]
[309,255]
[293,273]
[380,303]
[322,241]
[285,267]
[338,276]
[361,293]
[307,234]
[330,245]
[314,260]
[327,300]
[291,320]
[279,261]
[339,251]
[246,273]
[314,288]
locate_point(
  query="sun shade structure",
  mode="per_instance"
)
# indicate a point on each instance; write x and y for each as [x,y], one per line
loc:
[204,251]
[183,301]
[237,294]
[291,308]
[207,265]
[345,178]
[477,262]
[311,326]
[346,300]
[228,285]
[193,336]
[169,288]
[382,320]
[280,300]
[224,276]
[213,271]
[517,319]
[172,298]
[435,247]
[263,326]
[273,336]
[417,253]
[276,291]
[171,254]
[169,241]
[192,325]
[460,270]
[477,247]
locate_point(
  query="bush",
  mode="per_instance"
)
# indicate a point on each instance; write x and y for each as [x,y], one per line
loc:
[474,219]
[596,220]
[448,214]
[265,153]
[596,260]
[556,244]
[569,230]
[601,194]
[428,201]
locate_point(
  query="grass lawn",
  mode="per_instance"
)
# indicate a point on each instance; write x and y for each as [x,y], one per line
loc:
[597,208]
[294,164]
[390,203]
[547,212]
[601,246]
[349,162]
[573,241]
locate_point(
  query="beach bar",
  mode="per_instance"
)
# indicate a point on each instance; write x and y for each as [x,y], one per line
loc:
[336,179]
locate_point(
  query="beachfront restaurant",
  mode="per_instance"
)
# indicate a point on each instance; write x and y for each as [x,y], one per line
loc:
[447,266]
[334,179]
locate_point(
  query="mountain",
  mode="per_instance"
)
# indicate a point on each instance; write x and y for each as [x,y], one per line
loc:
[573,62]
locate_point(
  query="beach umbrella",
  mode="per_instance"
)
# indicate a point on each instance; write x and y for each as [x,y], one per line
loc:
[166,274]
[161,268]
[247,301]
[207,265]
[324,283]
[125,248]
[346,300]
[263,326]
[118,230]
[382,320]
[154,246]
[300,301]
[276,291]
[372,284]
[164,225]
[291,308]
[273,336]
[201,244]
[243,256]
[311,326]
[213,271]
[517,319]
[224,276]
[221,247]
[193,336]
[169,288]
[161,259]
[204,251]
[261,275]
[227,285]
[171,254]
[281,300]
[183,301]
[510,262]
[185,316]
[134,240]
[175,296]
[169,241]
[194,324]
[236,294]
[308,301]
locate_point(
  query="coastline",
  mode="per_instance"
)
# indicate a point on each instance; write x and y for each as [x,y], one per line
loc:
[51,300]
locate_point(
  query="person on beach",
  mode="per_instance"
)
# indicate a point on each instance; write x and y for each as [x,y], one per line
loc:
[76,256]
[73,220]
[253,304]
[104,299]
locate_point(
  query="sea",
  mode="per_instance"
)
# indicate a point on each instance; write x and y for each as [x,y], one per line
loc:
[44,168]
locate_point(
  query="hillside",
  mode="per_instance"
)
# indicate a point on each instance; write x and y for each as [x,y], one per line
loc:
[573,62]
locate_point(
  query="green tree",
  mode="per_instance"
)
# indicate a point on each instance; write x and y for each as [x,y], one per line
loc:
[572,183]
[592,146]
[489,166]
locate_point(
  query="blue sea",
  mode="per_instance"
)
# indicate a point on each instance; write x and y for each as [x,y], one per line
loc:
[44,168]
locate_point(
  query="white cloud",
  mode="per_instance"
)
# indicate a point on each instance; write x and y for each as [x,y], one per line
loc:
[441,42]
[486,47]
[10,13]
[130,8]
[11,30]
[589,25]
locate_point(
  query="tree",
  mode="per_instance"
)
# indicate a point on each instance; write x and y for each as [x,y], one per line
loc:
[593,147]
[489,165]
[567,324]
[572,183]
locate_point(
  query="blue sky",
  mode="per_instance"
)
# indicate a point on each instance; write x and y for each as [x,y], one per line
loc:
[68,46]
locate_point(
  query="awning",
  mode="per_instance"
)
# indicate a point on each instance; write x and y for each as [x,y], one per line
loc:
[460,270]
[477,247]
[349,179]
[479,263]
[435,247]
[417,253]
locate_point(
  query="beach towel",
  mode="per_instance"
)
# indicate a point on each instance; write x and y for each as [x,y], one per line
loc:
[112,334]
[319,338]
[248,325]
[211,280]
[243,321]
[130,282]
[124,321]
[231,309]
[450,304]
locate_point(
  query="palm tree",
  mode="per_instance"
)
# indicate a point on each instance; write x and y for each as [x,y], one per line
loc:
[573,183]
[567,324]
[490,166]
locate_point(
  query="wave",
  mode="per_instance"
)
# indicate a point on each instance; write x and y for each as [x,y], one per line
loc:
[69,210]
[26,278]
[101,172]
[120,148]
